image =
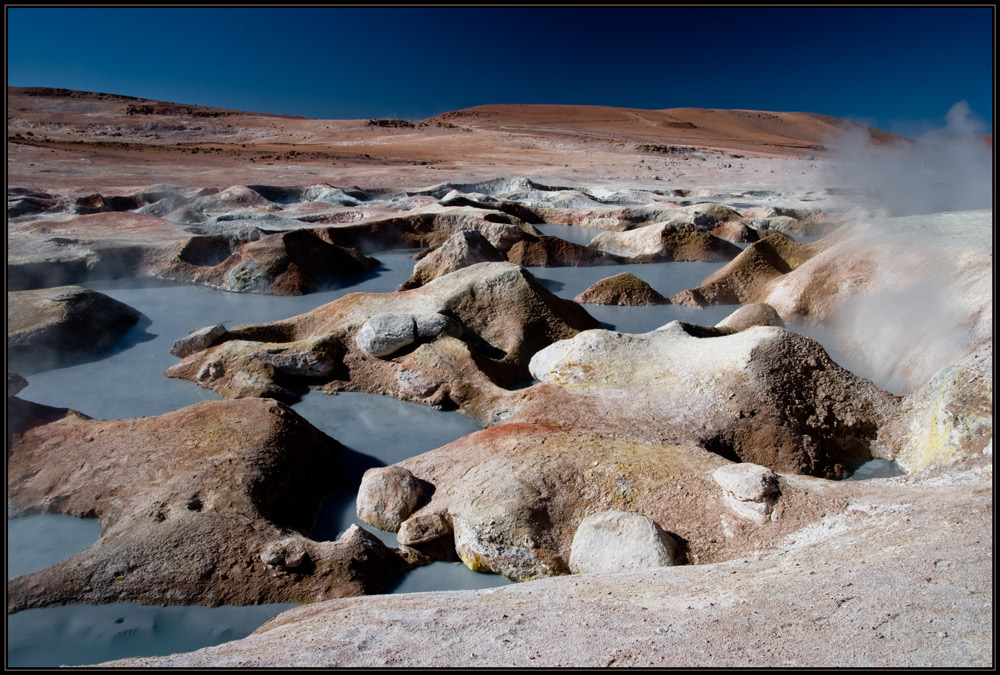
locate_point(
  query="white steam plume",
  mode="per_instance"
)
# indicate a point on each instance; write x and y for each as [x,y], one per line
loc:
[948,169]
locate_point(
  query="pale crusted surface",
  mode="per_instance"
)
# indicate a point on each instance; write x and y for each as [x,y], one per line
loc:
[907,296]
[764,395]
[898,578]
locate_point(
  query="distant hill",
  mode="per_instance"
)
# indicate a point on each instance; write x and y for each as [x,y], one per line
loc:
[681,125]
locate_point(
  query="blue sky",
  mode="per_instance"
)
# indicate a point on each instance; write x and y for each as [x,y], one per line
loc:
[898,68]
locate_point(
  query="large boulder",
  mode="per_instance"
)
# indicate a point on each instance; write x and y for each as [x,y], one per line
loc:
[387,497]
[386,333]
[764,395]
[208,504]
[613,541]
[65,322]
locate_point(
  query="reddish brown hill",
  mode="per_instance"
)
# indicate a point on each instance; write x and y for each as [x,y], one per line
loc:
[60,139]
[711,128]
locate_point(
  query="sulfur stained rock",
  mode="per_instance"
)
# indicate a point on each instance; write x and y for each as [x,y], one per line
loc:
[947,421]
[764,395]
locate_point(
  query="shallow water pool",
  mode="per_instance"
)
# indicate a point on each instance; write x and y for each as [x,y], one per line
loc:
[76,635]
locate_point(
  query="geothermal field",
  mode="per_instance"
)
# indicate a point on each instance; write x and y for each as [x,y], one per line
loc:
[513,386]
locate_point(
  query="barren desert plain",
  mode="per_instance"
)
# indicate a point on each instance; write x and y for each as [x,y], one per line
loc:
[668,388]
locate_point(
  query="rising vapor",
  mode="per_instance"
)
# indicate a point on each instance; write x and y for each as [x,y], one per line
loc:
[947,169]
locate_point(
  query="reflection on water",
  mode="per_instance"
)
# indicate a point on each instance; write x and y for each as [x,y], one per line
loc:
[665,278]
[378,430]
[37,541]
[424,579]
[573,233]
[76,635]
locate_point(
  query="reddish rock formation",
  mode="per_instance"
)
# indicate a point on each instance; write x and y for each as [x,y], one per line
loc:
[501,316]
[208,504]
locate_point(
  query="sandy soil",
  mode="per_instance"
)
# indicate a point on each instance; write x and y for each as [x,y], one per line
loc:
[100,142]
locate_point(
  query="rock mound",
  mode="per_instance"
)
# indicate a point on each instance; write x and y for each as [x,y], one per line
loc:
[544,251]
[622,289]
[751,275]
[65,322]
[453,341]
[286,263]
[201,505]
[763,395]
[461,249]
[667,242]
[748,316]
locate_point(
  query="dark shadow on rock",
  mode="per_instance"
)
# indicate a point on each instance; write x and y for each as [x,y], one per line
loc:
[551,285]
[352,464]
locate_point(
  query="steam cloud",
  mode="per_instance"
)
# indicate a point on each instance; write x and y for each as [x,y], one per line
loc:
[947,169]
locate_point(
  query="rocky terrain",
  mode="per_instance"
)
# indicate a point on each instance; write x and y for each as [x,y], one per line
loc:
[669,498]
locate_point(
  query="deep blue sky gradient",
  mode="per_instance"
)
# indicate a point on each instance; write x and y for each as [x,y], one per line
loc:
[897,68]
